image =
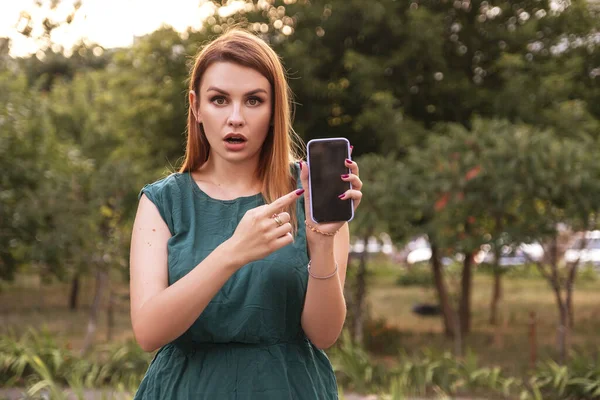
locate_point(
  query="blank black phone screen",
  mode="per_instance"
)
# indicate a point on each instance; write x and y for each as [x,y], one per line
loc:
[326,165]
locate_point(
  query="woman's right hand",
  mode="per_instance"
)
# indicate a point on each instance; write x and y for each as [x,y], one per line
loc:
[263,230]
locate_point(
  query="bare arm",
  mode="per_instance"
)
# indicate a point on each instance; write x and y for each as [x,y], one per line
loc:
[256,236]
[152,298]
[324,307]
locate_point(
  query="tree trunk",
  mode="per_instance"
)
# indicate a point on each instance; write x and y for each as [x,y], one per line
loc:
[563,310]
[563,330]
[570,310]
[101,281]
[497,289]
[496,296]
[570,284]
[110,314]
[359,298]
[74,296]
[442,292]
[465,295]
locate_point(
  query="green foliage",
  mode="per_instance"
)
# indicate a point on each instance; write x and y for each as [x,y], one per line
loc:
[418,275]
[27,148]
[380,337]
[36,359]
[472,122]
[379,174]
[587,273]
[580,379]
[354,368]
[425,373]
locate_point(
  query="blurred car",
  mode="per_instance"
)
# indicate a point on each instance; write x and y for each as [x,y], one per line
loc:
[373,245]
[590,254]
[519,255]
[420,251]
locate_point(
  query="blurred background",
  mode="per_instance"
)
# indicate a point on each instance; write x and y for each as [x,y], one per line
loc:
[475,258]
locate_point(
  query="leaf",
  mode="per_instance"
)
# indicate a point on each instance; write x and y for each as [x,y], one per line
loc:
[473,173]
[441,203]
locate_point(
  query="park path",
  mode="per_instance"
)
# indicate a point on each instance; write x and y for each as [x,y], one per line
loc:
[17,394]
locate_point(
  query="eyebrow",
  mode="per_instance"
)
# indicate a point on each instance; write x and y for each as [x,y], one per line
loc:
[216,89]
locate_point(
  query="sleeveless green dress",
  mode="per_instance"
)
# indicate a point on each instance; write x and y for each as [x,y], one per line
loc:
[248,343]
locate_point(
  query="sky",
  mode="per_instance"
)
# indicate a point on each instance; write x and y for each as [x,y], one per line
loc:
[110,23]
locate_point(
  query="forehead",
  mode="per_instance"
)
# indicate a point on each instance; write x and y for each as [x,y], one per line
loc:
[233,78]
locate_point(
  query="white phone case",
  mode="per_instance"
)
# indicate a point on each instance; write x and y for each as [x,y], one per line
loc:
[309,180]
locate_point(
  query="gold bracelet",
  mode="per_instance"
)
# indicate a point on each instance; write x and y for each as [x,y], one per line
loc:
[312,228]
[322,277]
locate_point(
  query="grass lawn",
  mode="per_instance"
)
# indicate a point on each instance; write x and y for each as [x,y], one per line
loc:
[28,303]
[507,344]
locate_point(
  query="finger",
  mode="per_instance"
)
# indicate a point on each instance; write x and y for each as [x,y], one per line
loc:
[283,241]
[281,231]
[353,166]
[353,194]
[283,217]
[351,149]
[304,176]
[282,202]
[354,180]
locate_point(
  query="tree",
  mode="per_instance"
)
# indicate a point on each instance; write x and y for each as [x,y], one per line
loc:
[29,151]
[561,186]
[381,177]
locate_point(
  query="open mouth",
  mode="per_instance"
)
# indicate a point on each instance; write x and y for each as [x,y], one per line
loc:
[235,138]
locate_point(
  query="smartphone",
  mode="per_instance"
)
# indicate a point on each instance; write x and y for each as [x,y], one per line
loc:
[326,165]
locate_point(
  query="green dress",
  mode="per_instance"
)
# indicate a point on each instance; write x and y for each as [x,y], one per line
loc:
[248,343]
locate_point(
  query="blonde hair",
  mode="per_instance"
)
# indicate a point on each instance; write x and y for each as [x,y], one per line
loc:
[282,146]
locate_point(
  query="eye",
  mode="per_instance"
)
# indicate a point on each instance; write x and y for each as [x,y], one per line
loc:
[218,100]
[254,101]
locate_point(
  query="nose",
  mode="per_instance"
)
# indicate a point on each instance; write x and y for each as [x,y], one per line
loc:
[236,119]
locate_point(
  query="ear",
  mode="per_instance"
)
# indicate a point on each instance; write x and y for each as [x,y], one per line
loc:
[194,105]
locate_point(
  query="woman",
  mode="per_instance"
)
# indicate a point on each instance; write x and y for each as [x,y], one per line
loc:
[221,279]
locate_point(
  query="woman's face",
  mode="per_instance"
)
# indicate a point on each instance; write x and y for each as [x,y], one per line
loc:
[234,105]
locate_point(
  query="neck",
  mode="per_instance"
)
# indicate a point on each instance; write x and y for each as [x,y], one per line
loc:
[240,178]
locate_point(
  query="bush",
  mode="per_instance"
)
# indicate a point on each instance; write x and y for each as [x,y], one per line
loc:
[417,275]
[36,357]
[382,337]
[427,373]
[580,379]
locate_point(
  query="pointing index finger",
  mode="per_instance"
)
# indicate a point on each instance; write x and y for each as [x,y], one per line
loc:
[283,201]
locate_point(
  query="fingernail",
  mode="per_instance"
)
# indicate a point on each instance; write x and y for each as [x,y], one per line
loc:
[341,196]
[348,161]
[345,176]
[300,165]
[351,147]
[299,191]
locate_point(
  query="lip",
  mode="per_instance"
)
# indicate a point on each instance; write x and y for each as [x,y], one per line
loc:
[237,135]
[234,147]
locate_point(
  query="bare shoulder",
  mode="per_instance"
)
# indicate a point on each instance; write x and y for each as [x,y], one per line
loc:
[148,254]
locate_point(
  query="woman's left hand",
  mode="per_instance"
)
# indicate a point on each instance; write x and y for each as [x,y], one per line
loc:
[354,193]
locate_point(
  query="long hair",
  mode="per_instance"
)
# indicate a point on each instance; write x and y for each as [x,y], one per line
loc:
[282,146]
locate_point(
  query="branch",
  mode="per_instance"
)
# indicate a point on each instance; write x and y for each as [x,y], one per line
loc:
[584,242]
[540,267]
[573,266]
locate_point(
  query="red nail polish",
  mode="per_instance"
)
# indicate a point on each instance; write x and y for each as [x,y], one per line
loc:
[351,147]
[345,176]
[341,196]
[299,191]
[300,165]
[348,161]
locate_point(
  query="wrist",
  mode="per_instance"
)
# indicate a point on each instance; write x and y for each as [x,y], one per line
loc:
[317,241]
[229,252]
